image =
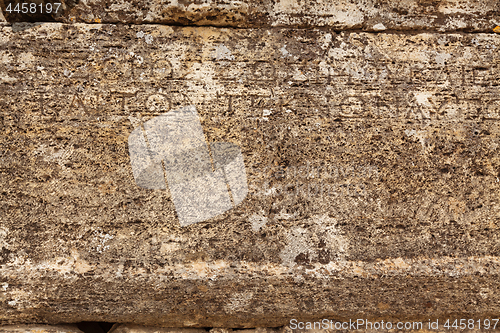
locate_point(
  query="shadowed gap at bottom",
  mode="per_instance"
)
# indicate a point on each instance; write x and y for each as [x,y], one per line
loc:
[94,326]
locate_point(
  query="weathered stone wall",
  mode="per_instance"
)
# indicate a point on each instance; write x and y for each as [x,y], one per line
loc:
[372,15]
[371,161]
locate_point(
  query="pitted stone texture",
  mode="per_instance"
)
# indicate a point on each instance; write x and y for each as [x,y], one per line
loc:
[39,329]
[131,328]
[372,162]
[371,15]
[221,330]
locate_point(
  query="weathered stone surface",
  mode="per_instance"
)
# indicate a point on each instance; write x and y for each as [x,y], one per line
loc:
[131,328]
[39,329]
[372,164]
[266,330]
[221,330]
[371,15]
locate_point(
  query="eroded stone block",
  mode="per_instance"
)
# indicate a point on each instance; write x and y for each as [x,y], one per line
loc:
[371,160]
[131,328]
[39,329]
[372,15]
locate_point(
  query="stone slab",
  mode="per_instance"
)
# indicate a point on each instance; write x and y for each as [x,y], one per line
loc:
[131,328]
[380,326]
[39,329]
[371,15]
[371,161]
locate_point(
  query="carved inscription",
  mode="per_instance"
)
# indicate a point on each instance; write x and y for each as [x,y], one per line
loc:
[340,81]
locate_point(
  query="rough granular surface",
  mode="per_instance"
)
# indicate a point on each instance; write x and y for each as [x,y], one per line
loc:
[370,166]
